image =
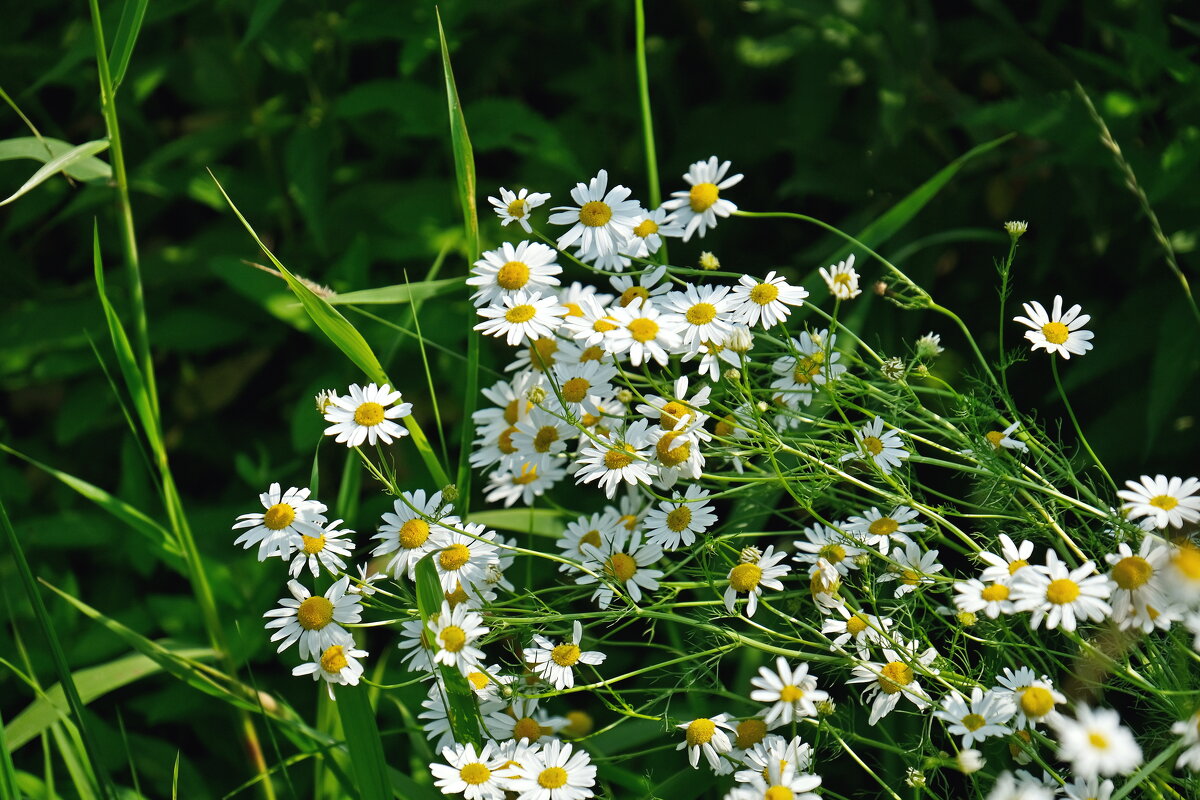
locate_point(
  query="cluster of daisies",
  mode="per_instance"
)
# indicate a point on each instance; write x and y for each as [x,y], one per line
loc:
[672,395]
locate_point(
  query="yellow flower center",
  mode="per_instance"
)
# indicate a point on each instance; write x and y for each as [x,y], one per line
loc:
[579,723]
[622,566]
[604,325]
[1013,566]
[453,638]
[671,414]
[779,792]
[679,519]
[505,443]
[314,613]
[545,438]
[807,367]
[643,329]
[512,276]
[724,427]
[1055,332]
[634,293]
[856,625]
[745,577]
[413,533]
[672,456]
[479,680]
[516,209]
[573,309]
[519,314]
[700,731]
[474,774]
[894,676]
[790,693]
[368,414]
[553,777]
[701,313]
[619,459]
[593,353]
[910,578]
[842,279]
[1187,561]
[333,660]
[512,411]
[279,516]
[313,544]
[994,437]
[591,537]
[973,722]
[750,732]
[702,196]
[1133,572]
[594,214]
[1164,501]
[764,293]
[645,228]
[995,593]
[527,728]
[454,556]
[873,445]
[833,553]
[629,521]
[1062,591]
[459,595]
[565,655]
[575,390]
[884,526]
[1097,741]
[1036,701]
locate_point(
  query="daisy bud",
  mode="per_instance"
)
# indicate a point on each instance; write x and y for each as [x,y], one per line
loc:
[449,493]
[966,618]
[826,708]
[922,371]
[624,397]
[929,346]
[536,395]
[881,288]
[740,340]
[733,375]
[893,369]
[709,261]
[324,400]
[915,778]
[970,761]
[1016,229]
[750,555]
[762,406]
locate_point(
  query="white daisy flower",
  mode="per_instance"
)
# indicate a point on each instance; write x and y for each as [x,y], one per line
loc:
[716,355]
[338,665]
[986,715]
[773,751]
[842,280]
[888,680]
[1034,698]
[885,448]
[486,681]
[364,583]
[1140,598]
[864,630]
[1189,730]
[279,529]
[679,413]
[464,555]
[510,401]
[363,415]
[757,570]
[623,560]
[677,522]
[583,385]
[522,316]
[553,772]
[1008,787]
[1088,789]
[649,228]
[765,301]
[1056,332]
[697,208]
[474,776]
[815,364]
[529,266]
[406,530]
[1061,596]
[1096,743]
[778,780]
[539,354]
[881,531]
[522,721]
[315,620]
[1001,568]
[625,460]
[705,313]
[976,597]
[554,663]
[603,220]
[648,286]
[1003,439]
[823,543]
[455,630]
[523,483]
[792,693]
[591,530]
[538,440]
[1170,502]
[515,207]
[913,567]
[592,325]
[326,550]
[708,736]
[644,332]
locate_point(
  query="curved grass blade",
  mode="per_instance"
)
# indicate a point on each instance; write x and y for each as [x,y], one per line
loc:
[464,157]
[59,164]
[132,17]
[45,149]
[398,294]
[363,742]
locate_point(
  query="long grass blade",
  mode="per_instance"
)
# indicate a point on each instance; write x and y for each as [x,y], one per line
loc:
[464,157]
[398,294]
[132,17]
[364,742]
[45,149]
[8,772]
[58,164]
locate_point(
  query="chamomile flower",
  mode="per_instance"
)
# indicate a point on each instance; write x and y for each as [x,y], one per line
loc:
[278,530]
[976,597]
[522,721]
[476,776]
[885,448]
[522,316]
[864,630]
[1033,698]
[679,412]
[1009,787]
[1171,502]
[913,567]
[778,780]
[1013,558]
[1140,597]
[1056,332]
[813,365]
[697,208]
[717,355]
[1003,439]
[463,555]
[773,751]
[538,440]
[529,266]
[592,325]
[886,681]
[515,207]
[327,550]
[603,220]
[756,571]
[582,385]
[842,280]
[792,693]
[486,681]
[882,530]
[823,543]
[539,355]
[407,529]
[1096,743]
[706,312]
[1061,596]
[1189,730]
[315,621]
[678,521]
[677,453]
[625,561]
[554,771]
[707,736]
[626,459]
[644,333]
[337,664]
[984,716]
[649,228]
[364,415]
[590,529]
[1088,789]
[455,631]
[766,301]
[649,285]
[523,483]
[555,663]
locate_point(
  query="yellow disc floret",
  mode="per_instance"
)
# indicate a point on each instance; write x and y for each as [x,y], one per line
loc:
[622,566]
[565,655]
[512,276]
[745,577]
[453,638]
[279,516]
[1037,701]
[1132,572]
[314,613]
[700,731]
[643,329]
[1055,332]
[454,557]
[520,313]
[368,414]
[595,214]
[702,196]
[894,676]
[1062,591]
[764,293]
[333,660]
[413,533]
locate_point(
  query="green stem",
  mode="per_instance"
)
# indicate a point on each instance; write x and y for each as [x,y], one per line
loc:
[1078,430]
[643,78]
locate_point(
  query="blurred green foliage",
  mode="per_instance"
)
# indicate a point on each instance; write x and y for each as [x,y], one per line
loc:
[326,122]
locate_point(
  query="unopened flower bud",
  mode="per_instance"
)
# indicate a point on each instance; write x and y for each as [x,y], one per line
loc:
[740,339]
[826,708]
[915,778]
[881,288]
[929,346]
[324,400]
[536,395]
[966,618]
[750,555]
[893,369]
[450,493]
[1016,229]
[733,375]
[970,760]
[624,397]
[709,261]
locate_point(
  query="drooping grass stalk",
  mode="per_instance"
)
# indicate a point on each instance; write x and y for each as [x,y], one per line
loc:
[1062,393]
